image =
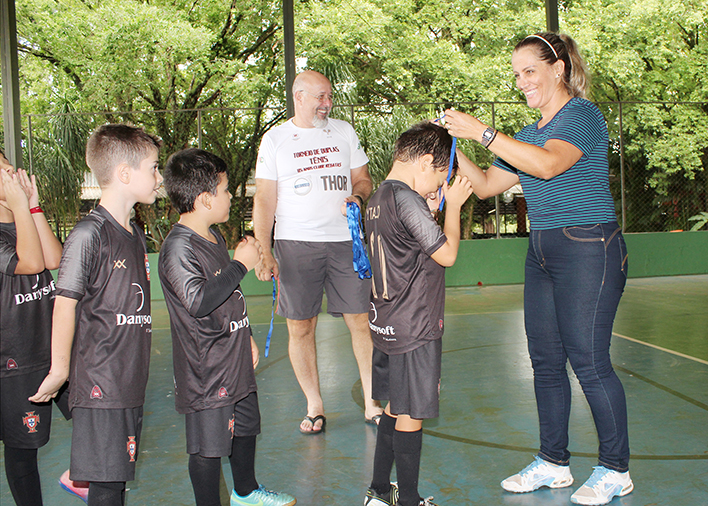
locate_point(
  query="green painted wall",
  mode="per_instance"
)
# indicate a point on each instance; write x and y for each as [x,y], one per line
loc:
[501,261]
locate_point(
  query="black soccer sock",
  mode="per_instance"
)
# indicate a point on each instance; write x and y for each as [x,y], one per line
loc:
[243,464]
[406,449]
[383,456]
[106,493]
[23,476]
[205,473]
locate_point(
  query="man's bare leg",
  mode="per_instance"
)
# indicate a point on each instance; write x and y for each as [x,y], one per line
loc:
[303,357]
[363,348]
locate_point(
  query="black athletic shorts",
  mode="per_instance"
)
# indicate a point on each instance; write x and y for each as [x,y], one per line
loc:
[409,381]
[209,432]
[105,443]
[25,424]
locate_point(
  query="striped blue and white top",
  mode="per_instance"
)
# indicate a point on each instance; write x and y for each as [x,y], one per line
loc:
[581,195]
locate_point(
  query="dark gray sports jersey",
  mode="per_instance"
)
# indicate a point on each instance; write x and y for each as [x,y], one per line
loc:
[26,303]
[105,268]
[212,359]
[408,287]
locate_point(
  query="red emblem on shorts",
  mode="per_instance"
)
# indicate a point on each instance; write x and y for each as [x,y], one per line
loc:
[440,323]
[132,448]
[96,392]
[232,425]
[147,267]
[223,393]
[11,364]
[31,421]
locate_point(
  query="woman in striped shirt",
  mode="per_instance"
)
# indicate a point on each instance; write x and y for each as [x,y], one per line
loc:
[576,265]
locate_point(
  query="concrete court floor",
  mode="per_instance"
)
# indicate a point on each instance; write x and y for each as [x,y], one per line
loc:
[487,428]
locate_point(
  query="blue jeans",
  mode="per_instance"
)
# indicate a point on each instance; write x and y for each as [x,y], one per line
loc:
[575,277]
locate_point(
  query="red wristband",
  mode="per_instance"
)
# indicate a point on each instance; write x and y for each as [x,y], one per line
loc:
[36,210]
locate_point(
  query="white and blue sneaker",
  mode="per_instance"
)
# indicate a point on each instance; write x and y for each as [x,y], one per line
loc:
[602,486]
[539,473]
[262,497]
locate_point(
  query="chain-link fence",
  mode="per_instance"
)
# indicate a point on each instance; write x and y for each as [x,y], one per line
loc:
[658,156]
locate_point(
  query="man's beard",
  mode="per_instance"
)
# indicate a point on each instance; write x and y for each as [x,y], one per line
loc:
[318,122]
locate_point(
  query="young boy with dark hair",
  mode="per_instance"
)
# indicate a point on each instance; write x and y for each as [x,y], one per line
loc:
[409,253]
[214,353]
[101,330]
[28,249]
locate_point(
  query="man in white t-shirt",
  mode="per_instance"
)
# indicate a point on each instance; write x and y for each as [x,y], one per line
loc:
[308,169]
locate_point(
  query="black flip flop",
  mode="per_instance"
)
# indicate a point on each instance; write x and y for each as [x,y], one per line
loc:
[313,420]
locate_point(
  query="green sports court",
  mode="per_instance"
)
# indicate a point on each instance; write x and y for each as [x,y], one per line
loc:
[487,427]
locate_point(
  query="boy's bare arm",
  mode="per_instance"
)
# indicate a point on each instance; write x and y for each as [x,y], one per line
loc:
[63,326]
[254,352]
[30,259]
[51,247]
[455,196]
[487,183]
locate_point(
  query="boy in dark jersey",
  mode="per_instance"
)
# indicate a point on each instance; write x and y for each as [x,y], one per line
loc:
[28,248]
[409,253]
[214,353]
[101,329]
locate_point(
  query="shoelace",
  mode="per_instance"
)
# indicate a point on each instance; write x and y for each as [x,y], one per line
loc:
[267,492]
[537,462]
[597,476]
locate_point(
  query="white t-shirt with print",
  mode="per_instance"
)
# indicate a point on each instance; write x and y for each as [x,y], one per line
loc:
[313,169]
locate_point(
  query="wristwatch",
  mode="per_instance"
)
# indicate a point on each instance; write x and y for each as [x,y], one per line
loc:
[488,136]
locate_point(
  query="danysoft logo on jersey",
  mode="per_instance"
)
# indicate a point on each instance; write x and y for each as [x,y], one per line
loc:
[135,319]
[37,292]
[234,325]
[387,333]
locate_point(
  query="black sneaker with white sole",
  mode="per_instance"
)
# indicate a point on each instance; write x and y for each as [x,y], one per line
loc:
[373,498]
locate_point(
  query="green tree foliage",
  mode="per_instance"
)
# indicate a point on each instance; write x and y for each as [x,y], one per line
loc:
[458,52]
[122,57]
[60,167]
[647,50]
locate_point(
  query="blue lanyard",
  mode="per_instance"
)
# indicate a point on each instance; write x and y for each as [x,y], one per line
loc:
[272,317]
[360,260]
[449,169]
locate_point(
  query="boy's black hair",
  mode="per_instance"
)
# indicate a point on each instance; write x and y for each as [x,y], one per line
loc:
[117,143]
[189,173]
[425,138]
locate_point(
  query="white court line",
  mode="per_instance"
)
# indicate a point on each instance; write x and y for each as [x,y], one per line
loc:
[661,349]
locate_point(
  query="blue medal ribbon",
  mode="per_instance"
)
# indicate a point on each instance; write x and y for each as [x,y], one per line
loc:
[272,317]
[361,261]
[449,169]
